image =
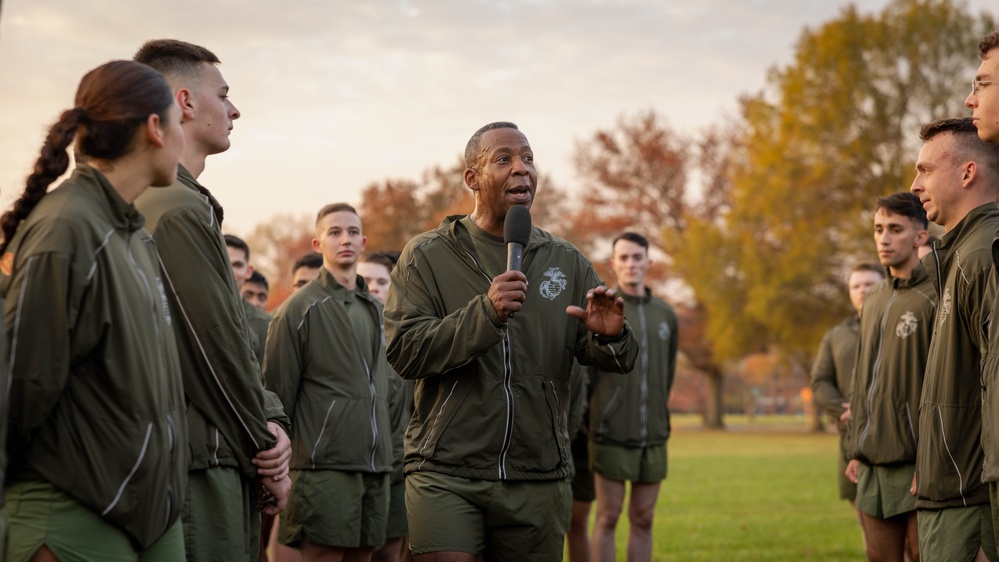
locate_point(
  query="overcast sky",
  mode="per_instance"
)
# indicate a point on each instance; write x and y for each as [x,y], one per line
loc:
[336,94]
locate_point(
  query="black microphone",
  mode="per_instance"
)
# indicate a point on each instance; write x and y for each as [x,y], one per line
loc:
[516,233]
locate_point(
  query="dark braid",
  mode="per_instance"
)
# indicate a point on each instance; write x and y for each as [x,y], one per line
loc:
[52,163]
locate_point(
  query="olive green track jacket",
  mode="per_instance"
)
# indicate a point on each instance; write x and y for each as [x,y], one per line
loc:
[491,399]
[832,372]
[632,411]
[228,408]
[96,401]
[895,329]
[990,376]
[949,458]
[337,400]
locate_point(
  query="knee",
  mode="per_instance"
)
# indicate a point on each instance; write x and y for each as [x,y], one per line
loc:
[641,519]
[607,518]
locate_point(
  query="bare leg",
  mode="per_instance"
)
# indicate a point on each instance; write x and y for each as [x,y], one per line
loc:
[282,552]
[390,552]
[43,554]
[312,552]
[885,537]
[610,498]
[641,508]
[359,554]
[911,538]
[860,521]
[577,538]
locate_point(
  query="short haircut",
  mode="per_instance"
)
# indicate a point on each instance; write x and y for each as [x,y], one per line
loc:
[238,243]
[967,145]
[176,59]
[989,42]
[381,258]
[334,208]
[904,204]
[259,279]
[868,266]
[474,143]
[632,237]
[311,261]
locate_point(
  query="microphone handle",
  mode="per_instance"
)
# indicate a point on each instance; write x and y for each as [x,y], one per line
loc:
[514,259]
[514,256]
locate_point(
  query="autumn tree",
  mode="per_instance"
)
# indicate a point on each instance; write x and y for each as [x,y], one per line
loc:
[275,245]
[831,131]
[636,177]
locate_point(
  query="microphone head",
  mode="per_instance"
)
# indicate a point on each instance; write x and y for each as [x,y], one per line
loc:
[517,225]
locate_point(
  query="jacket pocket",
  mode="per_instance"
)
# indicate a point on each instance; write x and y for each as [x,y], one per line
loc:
[557,413]
[890,435]
[605,411]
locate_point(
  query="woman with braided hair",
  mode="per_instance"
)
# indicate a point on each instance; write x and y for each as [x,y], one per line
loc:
[97,430]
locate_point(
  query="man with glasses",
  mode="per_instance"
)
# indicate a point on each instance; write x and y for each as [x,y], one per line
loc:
[984,97]
[984,104]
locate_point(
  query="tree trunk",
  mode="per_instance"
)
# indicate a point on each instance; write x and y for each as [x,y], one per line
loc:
[714,403]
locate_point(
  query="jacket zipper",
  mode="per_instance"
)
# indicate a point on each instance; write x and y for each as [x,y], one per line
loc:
[374,422]
[876,370]
[508,390]
[643,409]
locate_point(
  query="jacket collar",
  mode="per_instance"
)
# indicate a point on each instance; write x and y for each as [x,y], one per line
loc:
[968,225]
[918,275]
[644,298]
[124,216]
[332,287]
[187,179]
[453,222]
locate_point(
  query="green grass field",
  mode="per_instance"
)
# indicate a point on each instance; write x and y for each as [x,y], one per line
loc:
[764,491]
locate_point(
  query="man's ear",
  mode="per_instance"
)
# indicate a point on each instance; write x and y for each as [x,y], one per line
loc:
[472,179]
[315,246]
[185,100]
[921,238]
[968,173]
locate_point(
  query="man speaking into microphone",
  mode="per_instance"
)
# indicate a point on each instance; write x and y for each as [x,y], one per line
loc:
[487,450]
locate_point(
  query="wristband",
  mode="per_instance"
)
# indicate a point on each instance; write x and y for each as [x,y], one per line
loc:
[604,340]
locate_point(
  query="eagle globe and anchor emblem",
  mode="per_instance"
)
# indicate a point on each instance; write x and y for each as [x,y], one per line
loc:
[554,285]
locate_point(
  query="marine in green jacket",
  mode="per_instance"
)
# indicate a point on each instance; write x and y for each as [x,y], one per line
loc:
[256,319]
[326,360]
[97,436]
[984,103]
[237,430]
[832,372]
[895,328]
[492,389]
[956,180]
[629,416]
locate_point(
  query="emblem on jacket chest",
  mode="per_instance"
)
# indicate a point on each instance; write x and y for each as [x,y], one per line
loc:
[945,306]
[907,325]
[663,331]
[554,285]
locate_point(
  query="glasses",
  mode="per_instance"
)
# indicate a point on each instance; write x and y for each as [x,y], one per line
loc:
[977,85]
